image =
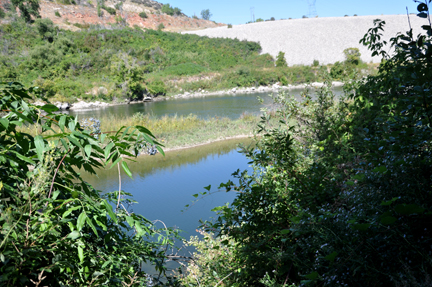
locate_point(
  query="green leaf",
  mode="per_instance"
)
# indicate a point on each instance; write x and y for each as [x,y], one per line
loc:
[195,195]
[80,254]
[90,223]
[385,203]
[23,158]
[408,209]
[312,276]
[130,221]
[380,169]
[139,230]
[160,150]
[109,209]
[74,235]
[207,187]
[331,257]
[81,219]
[126,169]
[49,108]
[40,147]
[88,150]
[361,226]
[4,122]
[70,210]
[62,122]
[350,183]
[388,220]
[285,231]
[108,150]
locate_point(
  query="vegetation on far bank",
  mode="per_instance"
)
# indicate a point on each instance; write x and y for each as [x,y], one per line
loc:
[120,63]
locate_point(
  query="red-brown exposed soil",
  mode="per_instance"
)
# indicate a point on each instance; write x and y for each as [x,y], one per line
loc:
[72,14]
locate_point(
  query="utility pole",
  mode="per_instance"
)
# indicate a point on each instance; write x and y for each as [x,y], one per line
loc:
[252,14]
[312,9]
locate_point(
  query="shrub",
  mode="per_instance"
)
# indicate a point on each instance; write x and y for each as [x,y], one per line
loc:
[57,228]
[156,88]
[99,11]
[229,25]
[272,19]
[315,63]
[259,20]
[337,70]
[57,13]
[160,27]
[167,9]
[143,15]
[110,10]
[2,13]
[118,6]
[280,60]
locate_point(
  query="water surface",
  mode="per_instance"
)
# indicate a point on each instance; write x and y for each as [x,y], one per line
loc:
[231,106]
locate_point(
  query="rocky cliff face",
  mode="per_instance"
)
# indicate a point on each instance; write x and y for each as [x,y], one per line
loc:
[84,13]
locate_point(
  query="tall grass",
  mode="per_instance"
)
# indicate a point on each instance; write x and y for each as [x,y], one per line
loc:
[183,131]
[177,131]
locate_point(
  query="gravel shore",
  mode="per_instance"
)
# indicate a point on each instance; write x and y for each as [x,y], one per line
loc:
[322,39]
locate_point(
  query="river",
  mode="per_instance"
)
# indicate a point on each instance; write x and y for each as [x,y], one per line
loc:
[231,106]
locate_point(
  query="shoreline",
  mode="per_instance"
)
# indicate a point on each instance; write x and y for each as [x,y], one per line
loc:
[82,105]
[243,136]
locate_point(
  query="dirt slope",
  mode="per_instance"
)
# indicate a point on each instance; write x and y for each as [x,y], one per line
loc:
[86,13]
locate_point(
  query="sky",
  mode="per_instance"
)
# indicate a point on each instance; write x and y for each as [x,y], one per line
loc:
[240,11]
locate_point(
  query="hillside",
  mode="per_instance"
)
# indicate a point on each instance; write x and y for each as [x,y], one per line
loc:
[85,13]
[322,39]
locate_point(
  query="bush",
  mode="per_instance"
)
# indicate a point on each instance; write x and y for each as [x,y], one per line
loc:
[57,13]
[337,71]
[157,88]
[160,27]
[143,15]
[229,25]
[315,63]
[167,9]
[280,60]
[259,20]
[341,188]
[2,13]
[56,228]
[110,10]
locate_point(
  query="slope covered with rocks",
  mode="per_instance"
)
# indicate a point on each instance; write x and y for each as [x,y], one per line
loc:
[322,39]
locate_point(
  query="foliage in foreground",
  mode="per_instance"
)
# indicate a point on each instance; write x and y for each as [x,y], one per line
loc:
[55,229]
[342,198]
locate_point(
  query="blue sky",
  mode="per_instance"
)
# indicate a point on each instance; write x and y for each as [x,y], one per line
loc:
[239,11]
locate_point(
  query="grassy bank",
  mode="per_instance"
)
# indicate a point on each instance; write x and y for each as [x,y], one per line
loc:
[179,131]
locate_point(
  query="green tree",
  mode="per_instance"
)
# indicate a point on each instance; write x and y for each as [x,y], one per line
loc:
[280,60]
[205,14]
[27,8]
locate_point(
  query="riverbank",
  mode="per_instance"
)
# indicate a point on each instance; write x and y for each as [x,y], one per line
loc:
[83,105]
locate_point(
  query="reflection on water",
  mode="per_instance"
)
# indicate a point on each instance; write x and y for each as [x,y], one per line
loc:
[164,185]
[231,106]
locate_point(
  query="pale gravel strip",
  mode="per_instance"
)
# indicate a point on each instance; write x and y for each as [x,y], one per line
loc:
[322,39]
